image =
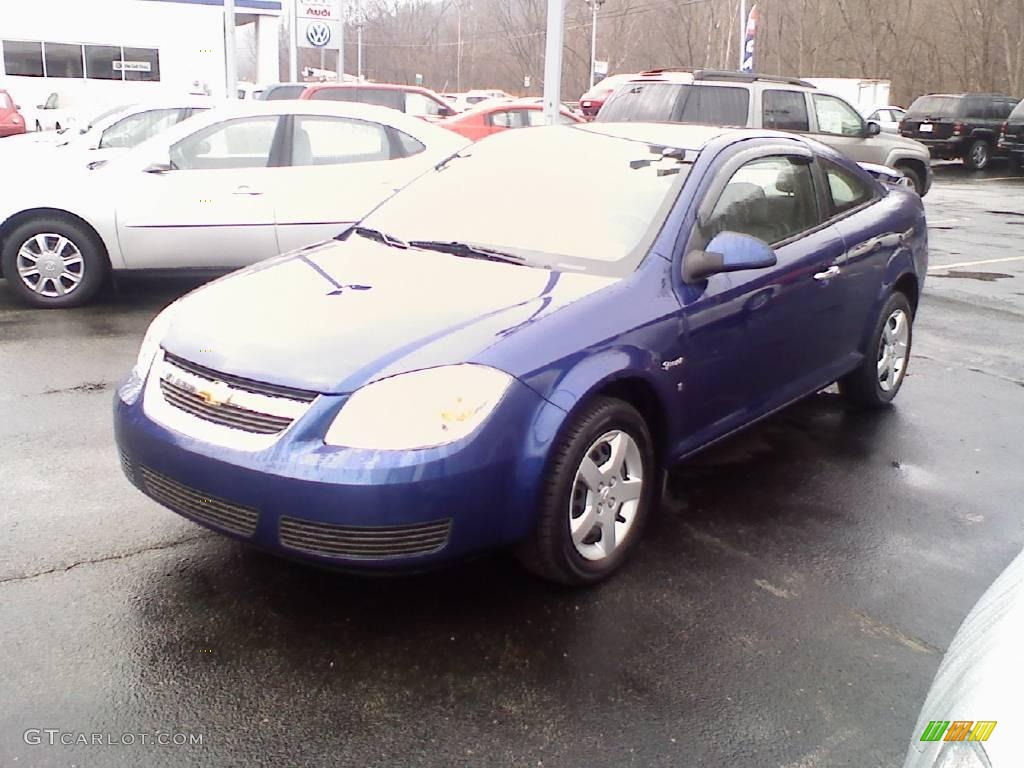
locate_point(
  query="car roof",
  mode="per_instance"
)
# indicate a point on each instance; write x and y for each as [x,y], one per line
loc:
[679,135]
[371,86]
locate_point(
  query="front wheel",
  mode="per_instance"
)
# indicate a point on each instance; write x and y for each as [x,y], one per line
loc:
[600,486]
[913,177]
[53,262]
[978,155]
[878,379]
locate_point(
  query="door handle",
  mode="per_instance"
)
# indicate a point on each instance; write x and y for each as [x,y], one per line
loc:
[828,274]
[245,190]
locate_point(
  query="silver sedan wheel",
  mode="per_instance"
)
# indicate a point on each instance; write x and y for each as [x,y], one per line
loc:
[50,264]
[605,495]
[893,349]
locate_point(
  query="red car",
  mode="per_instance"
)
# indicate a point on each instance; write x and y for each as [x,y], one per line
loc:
[592,101]
[411,99]
[11,121]
[497,116]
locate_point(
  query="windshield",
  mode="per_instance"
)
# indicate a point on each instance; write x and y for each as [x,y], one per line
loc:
[677,103]
[558,197]
[935,106]
[281,92]
[5,102]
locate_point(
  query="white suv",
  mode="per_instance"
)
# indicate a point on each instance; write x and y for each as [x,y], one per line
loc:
[715,97]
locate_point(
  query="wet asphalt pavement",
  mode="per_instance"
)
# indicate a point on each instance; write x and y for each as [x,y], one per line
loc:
[788,608]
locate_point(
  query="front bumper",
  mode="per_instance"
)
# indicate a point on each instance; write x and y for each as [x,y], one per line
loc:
[354,509]
[9,129]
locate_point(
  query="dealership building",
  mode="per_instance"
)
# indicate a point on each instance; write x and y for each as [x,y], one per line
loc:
[102,52]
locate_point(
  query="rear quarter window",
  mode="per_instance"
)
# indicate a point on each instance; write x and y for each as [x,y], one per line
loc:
[678,103]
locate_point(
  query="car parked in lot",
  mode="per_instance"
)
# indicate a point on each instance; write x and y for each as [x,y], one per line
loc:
[445,379]
[52,115]
[281,91]
[959,126]
[223,189]
[12,123]
[888,118]
[470,99]
[1011,136]
[972,716]
[592,101]
[411,99]
[108,134]
[714,97]
[497,116]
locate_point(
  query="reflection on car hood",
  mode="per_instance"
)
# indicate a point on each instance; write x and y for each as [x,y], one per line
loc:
[982,675]
[332,317]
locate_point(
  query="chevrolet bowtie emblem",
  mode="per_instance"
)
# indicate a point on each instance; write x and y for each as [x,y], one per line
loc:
[218,393]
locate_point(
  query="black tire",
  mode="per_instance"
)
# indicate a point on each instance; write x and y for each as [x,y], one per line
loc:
[93,270]
[39,126]
[863,387]
[915,178]
[550,552]
[978,155]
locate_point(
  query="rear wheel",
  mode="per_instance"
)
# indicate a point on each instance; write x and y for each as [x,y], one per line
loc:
[978,156]
[53,262]
[600,487]
[878,379]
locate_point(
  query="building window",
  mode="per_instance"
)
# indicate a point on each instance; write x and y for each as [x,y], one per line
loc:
[25,59]
[141,64]
[63,60]
[99,62]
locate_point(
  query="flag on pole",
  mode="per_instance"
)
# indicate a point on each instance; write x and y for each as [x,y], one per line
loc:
[748,42]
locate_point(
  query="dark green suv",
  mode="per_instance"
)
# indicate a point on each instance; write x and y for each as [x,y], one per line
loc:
[961,126]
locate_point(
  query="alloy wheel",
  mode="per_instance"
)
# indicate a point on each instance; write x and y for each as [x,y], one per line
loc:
[606,493]
[979,154]
[893,348]
[50,265]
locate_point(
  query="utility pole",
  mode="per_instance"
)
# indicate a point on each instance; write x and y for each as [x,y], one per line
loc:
[553,61]
[594,6]
[360,23]
[341,41]
[230,60]
[743,31]
[293,50]
[458,51]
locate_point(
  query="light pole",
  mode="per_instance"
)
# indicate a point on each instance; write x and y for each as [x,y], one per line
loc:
[594,5]
[743,31]
[553,61]
[359,40]
[230,63]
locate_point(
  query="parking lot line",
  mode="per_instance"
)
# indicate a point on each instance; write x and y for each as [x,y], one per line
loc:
[974,263]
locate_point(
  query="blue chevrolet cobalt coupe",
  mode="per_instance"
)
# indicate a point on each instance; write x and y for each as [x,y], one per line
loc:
[510,350]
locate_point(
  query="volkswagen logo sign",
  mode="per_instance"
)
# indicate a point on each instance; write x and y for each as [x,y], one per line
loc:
[318,34]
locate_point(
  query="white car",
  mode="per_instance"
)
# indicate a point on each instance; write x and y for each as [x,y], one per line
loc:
[102,136]
[51,115]
[224,189]
[888,118]
[470,99]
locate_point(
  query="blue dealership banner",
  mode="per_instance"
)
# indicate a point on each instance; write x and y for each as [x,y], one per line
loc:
[748,42]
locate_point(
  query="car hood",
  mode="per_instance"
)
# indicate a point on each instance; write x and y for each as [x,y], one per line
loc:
[335,316]
[901,145]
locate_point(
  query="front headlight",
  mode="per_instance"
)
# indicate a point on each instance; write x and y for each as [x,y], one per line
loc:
[962,754]
[151,343]
[420,409]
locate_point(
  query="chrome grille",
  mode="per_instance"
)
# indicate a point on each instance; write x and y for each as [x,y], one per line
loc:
[239,382]
[330,540]
[224,414]
[195,504]
[228,400]
[126,465]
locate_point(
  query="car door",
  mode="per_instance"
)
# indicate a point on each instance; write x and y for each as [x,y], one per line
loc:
[870,239]
[838,125]
[336,170]
[213,208]
[759,338]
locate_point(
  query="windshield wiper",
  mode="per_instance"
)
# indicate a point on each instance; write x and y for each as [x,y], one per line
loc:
[467,250]
[381,237]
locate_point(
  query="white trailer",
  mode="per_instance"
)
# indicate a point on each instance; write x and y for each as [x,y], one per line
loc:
[865,95]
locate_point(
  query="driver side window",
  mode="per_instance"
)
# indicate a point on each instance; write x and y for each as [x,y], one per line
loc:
[837,117]
[245,142]
[771,198]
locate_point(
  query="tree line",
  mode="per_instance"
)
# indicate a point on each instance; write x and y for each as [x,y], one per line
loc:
[922,46]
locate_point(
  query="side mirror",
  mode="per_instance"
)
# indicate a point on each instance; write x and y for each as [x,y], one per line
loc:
[727,252]
[161,167]
[873,128]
